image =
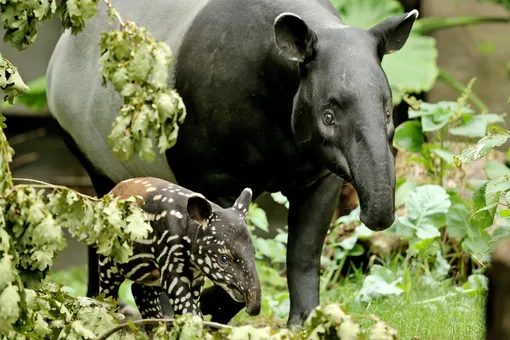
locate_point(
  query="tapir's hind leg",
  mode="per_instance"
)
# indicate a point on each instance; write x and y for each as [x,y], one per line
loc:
[109,277]
[147,300]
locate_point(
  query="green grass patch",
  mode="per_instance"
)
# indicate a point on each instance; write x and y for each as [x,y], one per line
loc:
[421,311]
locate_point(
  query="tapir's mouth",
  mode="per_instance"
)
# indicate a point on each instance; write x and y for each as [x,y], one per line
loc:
[236,294]
[233,291]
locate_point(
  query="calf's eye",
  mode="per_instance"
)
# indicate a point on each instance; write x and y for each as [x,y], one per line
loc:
[328,117]
[223,259]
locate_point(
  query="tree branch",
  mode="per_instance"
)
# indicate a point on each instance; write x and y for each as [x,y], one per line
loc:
[151,321]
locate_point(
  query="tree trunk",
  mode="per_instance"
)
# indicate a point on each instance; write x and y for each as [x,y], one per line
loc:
[498,299]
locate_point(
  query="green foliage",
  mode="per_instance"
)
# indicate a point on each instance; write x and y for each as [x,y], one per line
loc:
[417,57]
[137,66]
[426,213]
[50,312]
[132,60]
[426,134]
[21,17]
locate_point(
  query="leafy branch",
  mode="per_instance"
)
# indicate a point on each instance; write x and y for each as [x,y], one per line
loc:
[132,60]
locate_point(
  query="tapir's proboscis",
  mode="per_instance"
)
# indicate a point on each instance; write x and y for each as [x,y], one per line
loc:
[281,95]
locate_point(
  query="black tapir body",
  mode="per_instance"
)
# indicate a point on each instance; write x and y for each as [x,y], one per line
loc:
[281,95]
[192,238]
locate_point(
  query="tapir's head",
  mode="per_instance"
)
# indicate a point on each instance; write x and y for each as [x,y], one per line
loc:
[342,113]
[223,249]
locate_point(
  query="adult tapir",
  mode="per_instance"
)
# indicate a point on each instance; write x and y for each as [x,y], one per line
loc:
[281,95]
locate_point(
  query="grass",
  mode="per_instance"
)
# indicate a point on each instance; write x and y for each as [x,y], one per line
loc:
[420,313]
[425,313]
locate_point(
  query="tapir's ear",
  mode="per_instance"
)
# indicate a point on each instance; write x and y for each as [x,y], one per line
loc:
[199,209]
[293,37]
[243,201]
[393,32]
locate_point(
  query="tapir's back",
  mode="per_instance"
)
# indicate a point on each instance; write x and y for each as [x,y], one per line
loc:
[84,108]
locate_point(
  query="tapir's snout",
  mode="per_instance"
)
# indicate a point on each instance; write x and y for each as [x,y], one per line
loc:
[377,221]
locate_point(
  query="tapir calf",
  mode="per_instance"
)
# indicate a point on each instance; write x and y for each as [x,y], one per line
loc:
[192,238]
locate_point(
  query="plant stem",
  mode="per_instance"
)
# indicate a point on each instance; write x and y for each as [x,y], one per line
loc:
[431,24]
[44,185]
[442,135]
[114,11]
[457,85]
[150,321]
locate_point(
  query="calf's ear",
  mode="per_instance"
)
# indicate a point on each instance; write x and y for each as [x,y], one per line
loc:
[199,209]
[242,203]
[392,33]
[294,39]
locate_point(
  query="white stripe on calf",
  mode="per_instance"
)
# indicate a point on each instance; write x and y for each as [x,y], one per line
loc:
[141,256]
[165,249]
[136,268]
[172,285]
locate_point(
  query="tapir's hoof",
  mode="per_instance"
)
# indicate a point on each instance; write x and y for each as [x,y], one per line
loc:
[129,312]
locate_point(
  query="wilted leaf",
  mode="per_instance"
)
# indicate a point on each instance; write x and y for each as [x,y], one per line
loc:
[381,331]
[496,136]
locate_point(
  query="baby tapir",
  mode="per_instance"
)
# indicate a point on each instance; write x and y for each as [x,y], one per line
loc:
[191,238]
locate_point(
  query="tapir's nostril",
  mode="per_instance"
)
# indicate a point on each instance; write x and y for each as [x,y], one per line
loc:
[377,220]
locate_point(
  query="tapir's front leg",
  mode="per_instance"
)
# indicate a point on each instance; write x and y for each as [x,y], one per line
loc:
[310,213]
[180,294]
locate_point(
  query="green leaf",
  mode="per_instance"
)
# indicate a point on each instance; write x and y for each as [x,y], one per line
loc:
[426,209]
[496,136]
[476,126]
[379,284]
[457,220]
[257,217]
[279,198]
[446,156]
[477,243]
[418,58]
[403,192]
[494,169]
[484,207]
[409,137]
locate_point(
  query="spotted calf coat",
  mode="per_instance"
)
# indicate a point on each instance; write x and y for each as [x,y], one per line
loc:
[192,238]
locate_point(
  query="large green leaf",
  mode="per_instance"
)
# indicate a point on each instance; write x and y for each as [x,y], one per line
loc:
[413,69]
[494,169]
[476,125]
[426,209]
[457,220]
[409,137]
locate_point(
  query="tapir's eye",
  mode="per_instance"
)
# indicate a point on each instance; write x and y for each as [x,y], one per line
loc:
[328,117]
[388,116]
[224,259]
